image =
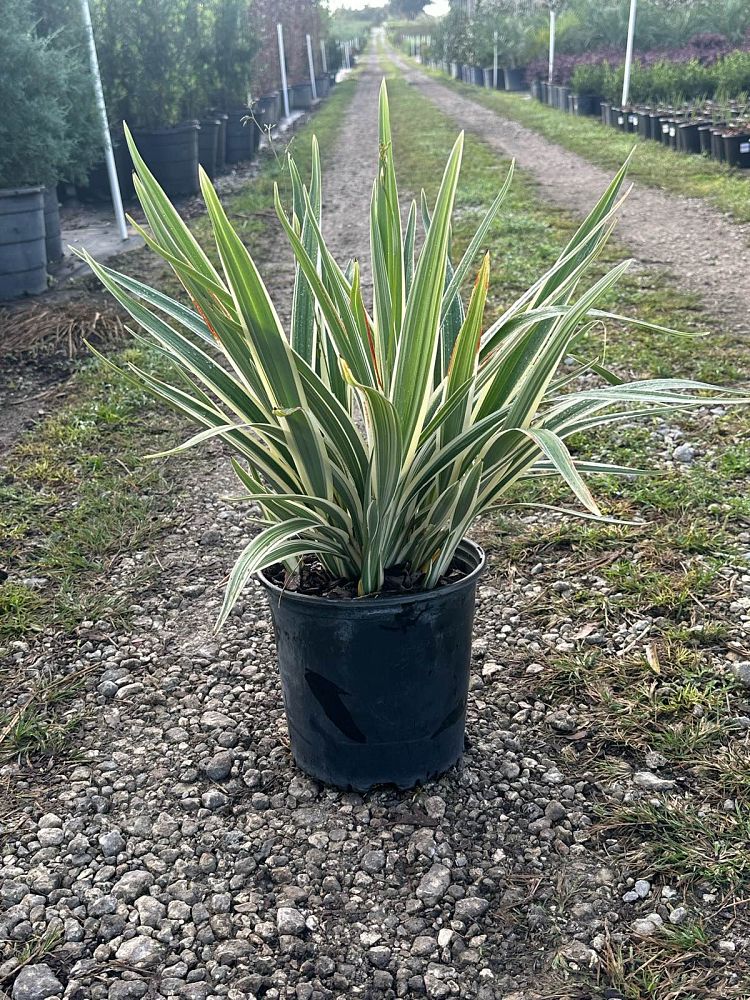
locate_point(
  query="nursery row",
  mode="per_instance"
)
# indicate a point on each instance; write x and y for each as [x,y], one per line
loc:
[719,130]
[29,217]
[508,77]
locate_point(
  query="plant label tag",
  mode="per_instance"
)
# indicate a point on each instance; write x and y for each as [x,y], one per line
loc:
[633,119]
[665,129]
[745,147]
[672,132]
[620,120]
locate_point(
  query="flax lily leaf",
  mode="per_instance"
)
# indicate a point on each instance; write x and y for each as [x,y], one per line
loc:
[371,434]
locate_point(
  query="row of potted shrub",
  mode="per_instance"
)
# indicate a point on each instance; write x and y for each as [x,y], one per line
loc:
[30,236]
[218,141]
[508,77]
[717,129]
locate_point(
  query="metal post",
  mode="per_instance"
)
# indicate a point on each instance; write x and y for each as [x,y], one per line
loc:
[494,65]
[109,156]
[552,21]
[629,55]
[323,56]
[311,64]
[282,63]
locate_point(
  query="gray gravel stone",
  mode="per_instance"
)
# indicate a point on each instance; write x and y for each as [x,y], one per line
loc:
[132,885]
[290,920]
[433,884]
[36,982]
[141,952]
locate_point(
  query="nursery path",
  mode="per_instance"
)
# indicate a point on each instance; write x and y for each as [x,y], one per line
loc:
[178,852]
[707,252]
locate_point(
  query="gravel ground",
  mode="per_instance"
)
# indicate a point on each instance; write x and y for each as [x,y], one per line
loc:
[708,250]
[180,854]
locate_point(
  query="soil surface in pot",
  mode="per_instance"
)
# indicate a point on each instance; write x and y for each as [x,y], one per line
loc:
[313,580]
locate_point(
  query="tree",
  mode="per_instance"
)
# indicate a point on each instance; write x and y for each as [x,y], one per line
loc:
[408,8]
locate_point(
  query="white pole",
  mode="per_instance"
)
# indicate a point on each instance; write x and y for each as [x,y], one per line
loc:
[323,56]
[109,156]
[494,65]
[311,64]
[629,55]
[552,21]
[282,63]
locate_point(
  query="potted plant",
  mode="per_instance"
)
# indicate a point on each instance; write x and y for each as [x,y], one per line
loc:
[233,46]
[362,548]
[588,83]
[35,144]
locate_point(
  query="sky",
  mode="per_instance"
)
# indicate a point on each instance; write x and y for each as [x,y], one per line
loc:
[437,8]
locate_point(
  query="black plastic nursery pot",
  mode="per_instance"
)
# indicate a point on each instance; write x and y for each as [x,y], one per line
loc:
[544,92]
[242,135]
[704,137]
[208,145]
[654,122]
[477,76]
[375,689]
[300,97]
[322,85]
[718,151]
[604,107]
[488,79]
[737,150]
[267,110]
[52,235]
[688,138]
[515,77]
[171,154]
[536,90]
[586,104]
[97,188]
[221,141]
[23,254]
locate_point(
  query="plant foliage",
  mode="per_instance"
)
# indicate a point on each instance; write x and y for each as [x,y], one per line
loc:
[373,439]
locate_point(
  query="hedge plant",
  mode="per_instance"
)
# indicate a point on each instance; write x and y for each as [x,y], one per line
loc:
[35,138]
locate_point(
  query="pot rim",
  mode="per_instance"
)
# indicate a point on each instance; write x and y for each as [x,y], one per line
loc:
[187,126]
[392,600]
[20,191]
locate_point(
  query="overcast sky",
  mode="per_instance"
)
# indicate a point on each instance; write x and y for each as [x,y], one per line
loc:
[436,8]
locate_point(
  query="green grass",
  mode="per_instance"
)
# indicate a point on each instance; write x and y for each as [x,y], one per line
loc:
[76,493]
[690,176]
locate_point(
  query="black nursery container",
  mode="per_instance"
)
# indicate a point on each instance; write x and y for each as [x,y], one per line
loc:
[52,235]
[737,150]
[375,689]
[688,137]
[97,188]
[171,154]
[301,97]
[208,145]
[23,256]
[515,78]
[242,135]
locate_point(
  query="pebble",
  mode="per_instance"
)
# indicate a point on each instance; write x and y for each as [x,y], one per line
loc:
[132,885]
[290,920]
[684,453]
[36,982]
[140,952]
[652,782]
[433,884]
[647,926]
[678,915]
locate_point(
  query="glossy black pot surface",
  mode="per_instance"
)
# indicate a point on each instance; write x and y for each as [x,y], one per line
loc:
[375,689]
